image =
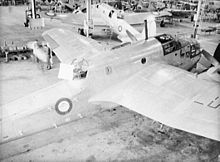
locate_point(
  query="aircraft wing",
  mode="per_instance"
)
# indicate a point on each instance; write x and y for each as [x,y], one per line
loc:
[77,20]
[162,14]
[181,13]
[68,45]
[138,18]
[171,96]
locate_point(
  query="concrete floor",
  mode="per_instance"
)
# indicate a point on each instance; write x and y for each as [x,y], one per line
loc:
[104,135]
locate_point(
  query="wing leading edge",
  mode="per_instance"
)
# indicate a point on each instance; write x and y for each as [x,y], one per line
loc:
[171,96]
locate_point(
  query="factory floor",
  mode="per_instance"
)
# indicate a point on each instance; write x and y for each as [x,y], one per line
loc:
[116,134]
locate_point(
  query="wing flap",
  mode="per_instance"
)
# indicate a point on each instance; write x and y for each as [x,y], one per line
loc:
[171,96]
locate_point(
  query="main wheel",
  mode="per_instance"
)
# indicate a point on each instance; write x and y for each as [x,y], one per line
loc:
[63,106]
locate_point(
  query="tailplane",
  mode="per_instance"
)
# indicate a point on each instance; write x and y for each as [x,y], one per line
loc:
[131,36]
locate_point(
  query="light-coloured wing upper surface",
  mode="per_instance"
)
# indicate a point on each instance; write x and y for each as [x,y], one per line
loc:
[171,96]
[68,45]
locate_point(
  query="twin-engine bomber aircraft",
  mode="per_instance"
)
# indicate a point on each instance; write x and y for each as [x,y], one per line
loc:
[148,76]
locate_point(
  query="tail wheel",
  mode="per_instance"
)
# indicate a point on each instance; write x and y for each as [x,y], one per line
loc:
[63,106]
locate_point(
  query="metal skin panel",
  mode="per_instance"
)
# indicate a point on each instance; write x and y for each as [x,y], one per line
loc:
[161,92]
[14,112]
[69,46]
[126,33]
[137,76]
[163,89]
[77,18]
[118,25]
[123,63]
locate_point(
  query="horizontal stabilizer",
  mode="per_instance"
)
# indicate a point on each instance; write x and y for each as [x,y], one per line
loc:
[131,36]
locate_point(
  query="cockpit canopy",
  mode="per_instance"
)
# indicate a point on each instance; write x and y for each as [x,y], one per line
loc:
[164,38]
[171,44]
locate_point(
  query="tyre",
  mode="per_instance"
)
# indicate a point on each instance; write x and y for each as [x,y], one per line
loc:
[63,106]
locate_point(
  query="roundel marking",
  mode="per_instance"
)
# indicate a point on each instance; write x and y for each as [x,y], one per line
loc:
[119,28]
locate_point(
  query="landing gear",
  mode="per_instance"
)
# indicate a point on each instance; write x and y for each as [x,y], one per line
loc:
[63,106]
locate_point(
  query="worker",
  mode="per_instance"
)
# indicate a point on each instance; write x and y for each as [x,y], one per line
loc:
[35,50]
[49,55]
[28,15]
[42,54]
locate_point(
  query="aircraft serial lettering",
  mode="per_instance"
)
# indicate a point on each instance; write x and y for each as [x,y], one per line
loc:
[214,104]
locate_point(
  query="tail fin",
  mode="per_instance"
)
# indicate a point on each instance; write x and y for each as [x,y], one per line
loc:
[149,30]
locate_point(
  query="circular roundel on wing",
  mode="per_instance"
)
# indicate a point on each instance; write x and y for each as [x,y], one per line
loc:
[63,106]
[119,28]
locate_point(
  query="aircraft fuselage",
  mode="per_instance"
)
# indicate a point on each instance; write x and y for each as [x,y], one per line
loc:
[104,70]
[126,61]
